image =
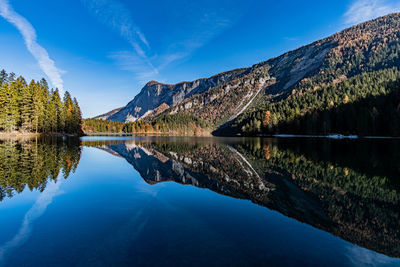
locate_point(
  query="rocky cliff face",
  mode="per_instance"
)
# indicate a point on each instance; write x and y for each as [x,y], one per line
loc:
[155,94]
[105,116]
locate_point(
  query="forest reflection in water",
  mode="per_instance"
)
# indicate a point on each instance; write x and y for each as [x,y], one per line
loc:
[32,163]
[349,188]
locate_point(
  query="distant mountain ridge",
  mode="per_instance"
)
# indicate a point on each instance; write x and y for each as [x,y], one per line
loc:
[154,94]
[229,98]
[105,116]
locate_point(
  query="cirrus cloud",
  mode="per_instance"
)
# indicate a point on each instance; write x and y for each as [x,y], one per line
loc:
[363,10]
[29,35]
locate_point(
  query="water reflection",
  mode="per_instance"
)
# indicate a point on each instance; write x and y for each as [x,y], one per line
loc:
[35,163]
[348,188]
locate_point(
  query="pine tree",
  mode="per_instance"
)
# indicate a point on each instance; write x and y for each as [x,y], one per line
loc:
[3,77]
[51,114]
[11,77]
[35,108]
[3,99]
[9,108]
[27,110]
[77,116]
[20,85]
[37,105]
[44,99]
[68,113]
[55,98]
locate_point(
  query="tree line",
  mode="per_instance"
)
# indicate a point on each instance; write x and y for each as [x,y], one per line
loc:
[105,126]
[36,108]
[179,123]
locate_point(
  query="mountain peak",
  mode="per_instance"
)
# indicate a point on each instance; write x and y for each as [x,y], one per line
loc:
[152,82]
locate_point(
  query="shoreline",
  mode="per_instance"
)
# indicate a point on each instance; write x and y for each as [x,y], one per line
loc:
[170,134]
[28,135]
[330,136]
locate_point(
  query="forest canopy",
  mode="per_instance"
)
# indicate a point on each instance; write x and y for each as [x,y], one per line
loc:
[34,107]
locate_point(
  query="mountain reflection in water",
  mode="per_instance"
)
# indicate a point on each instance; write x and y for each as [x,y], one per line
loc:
[349,188]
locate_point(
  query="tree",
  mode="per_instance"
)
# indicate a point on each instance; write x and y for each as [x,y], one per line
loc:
[69,113]
[3,77]
[77,117]
[19,85]
[51,113]
[9,108]
[38,107]
[55,98]
[27,110]
[35,108]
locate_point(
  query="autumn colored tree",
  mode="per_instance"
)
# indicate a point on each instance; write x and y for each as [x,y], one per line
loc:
[35,107]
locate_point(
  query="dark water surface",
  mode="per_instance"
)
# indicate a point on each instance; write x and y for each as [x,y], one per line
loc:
[156,201]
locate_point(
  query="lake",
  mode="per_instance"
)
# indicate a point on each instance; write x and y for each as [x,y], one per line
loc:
[158,201]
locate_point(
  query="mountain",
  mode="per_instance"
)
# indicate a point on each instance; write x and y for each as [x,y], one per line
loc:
[307,90]
[107,115]
[155,94]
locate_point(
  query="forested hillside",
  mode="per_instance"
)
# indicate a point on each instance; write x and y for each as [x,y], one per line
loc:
[347,83]
[36,108]
[366,104]
[354,91]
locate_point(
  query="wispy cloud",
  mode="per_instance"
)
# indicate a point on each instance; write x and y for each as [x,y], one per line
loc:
[203,28]
[363,10]
[116,16]
[196,28]
[37,210]
[130,61]
[29,34]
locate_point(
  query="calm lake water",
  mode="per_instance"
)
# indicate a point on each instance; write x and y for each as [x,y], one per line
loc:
[156,201]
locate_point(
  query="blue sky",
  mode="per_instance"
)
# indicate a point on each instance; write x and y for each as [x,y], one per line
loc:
[104,51]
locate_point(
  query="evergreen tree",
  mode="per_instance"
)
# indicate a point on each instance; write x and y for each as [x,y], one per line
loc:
[35,108]
[11,77]
[9,107]
[27,110]
[77,116]
[51,114]
[37,105]
[3,77]
[69,112]
[43,95]
[19,84]
[59,111]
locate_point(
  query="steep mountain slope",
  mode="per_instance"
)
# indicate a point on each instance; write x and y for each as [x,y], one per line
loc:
[155,94]
[238,101]
[221,103]
[107,115]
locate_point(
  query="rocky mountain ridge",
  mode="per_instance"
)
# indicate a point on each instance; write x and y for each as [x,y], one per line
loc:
[221,99]
[155,94]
